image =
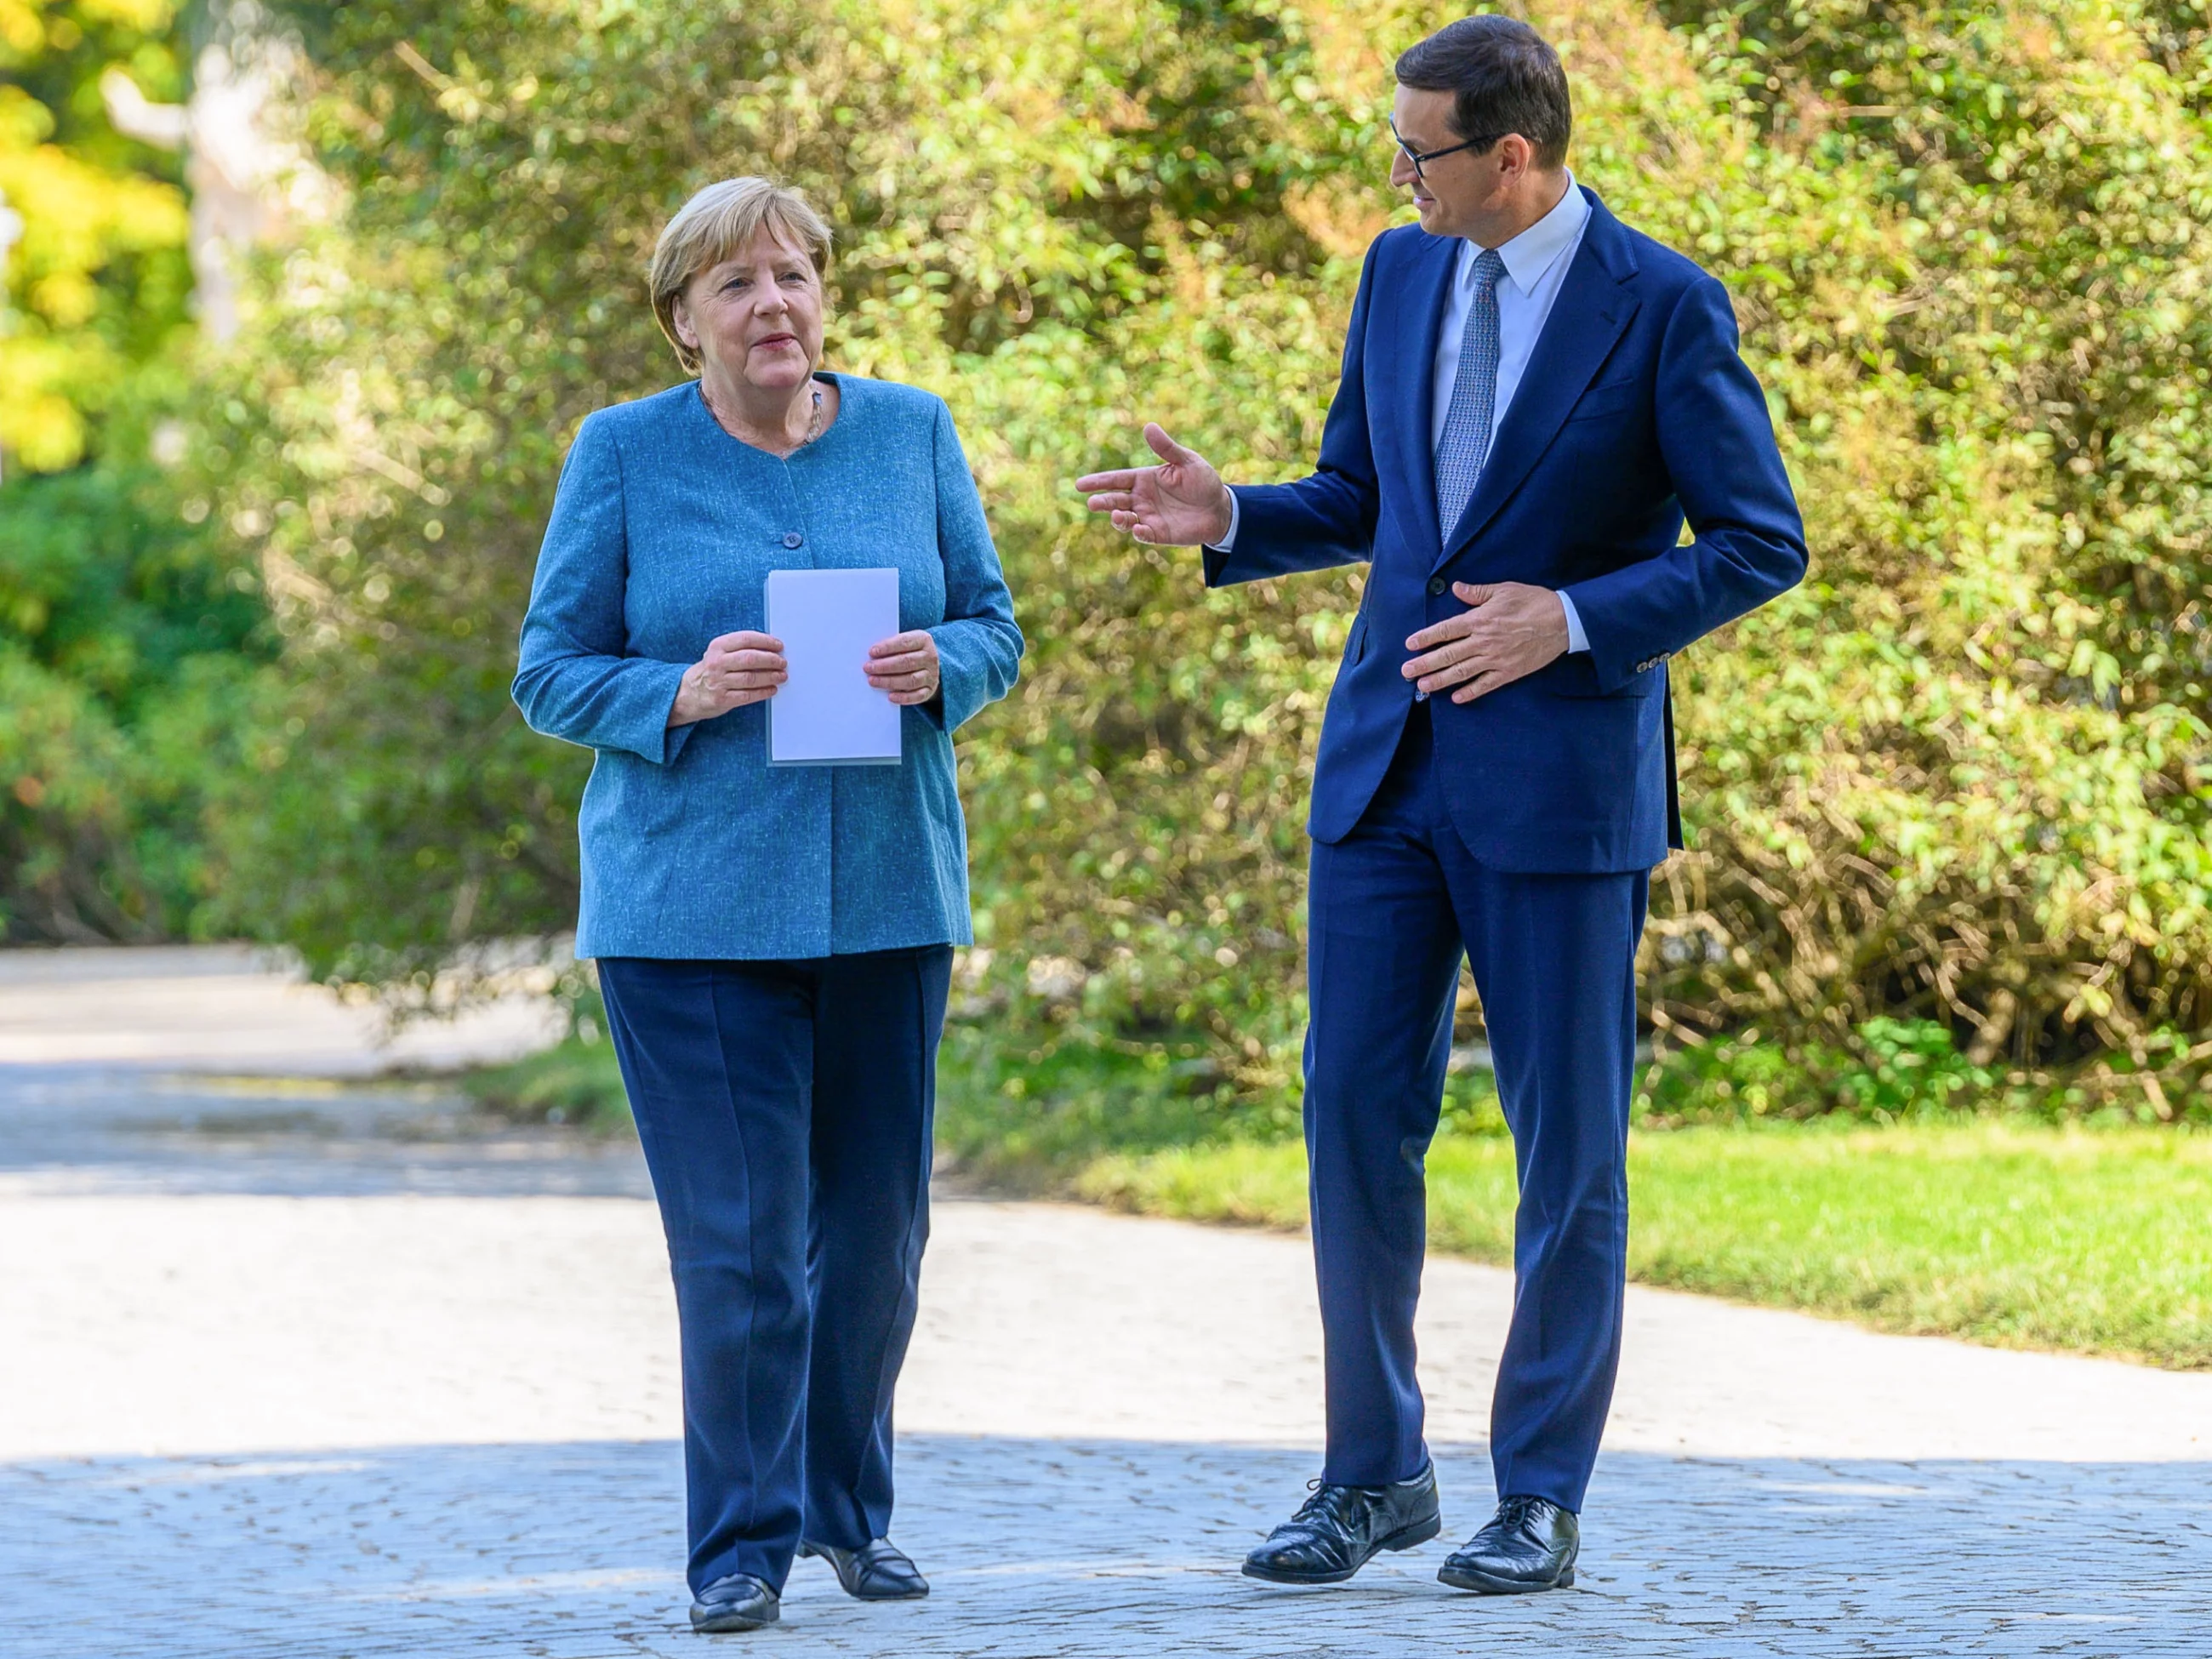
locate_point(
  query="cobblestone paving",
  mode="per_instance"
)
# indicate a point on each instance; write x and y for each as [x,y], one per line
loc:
[290,1371]
[1050,1548]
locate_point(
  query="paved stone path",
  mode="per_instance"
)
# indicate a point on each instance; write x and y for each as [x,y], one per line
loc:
[288,1370]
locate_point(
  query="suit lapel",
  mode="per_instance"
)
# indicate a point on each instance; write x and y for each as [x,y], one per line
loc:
[1423,320]
[1591,311]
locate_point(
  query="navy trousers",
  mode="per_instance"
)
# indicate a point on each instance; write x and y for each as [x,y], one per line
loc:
[1391,908]
[786,1108]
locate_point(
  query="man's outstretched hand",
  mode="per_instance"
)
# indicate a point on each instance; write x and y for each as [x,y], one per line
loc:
[1182,503]
[1508,629]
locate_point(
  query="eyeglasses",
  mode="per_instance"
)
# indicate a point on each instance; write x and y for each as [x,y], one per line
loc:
[1421,159]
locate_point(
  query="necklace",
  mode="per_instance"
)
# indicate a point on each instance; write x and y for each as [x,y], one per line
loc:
[813,424]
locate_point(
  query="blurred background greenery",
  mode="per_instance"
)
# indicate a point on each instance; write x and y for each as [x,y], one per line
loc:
[259,581]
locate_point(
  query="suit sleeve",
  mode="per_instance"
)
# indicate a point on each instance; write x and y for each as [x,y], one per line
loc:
[1327,519]
[577,679]
[979,644]
[1718,445]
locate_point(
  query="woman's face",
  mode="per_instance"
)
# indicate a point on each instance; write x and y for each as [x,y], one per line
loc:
[755,318]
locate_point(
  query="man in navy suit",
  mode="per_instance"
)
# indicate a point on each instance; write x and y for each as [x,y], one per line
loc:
[1534,398]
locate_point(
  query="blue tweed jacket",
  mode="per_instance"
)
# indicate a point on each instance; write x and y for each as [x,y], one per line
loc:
[664,531]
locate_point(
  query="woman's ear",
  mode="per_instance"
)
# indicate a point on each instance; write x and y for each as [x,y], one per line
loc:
[680,315]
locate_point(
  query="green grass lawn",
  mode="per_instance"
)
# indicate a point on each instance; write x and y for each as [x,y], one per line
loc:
[2096,1240]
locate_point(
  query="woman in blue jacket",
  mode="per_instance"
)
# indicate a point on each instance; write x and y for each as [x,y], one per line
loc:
[774,944]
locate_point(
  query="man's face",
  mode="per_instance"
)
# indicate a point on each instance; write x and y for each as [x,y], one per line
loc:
[1453,189]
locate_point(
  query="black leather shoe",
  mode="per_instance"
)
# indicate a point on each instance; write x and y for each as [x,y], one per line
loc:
[1340,1530]
[876,1572]
[740,1601]
[1530,1544]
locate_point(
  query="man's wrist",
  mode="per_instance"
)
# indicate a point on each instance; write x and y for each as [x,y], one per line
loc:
[1576,639]
[1227,535]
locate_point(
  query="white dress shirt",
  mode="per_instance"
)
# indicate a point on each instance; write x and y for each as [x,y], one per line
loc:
[1536,263]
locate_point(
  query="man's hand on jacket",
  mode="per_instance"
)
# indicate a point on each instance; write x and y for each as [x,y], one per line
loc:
[1509,630]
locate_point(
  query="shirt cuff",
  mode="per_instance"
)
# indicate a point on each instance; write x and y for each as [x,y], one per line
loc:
[1228,543]
[1577,639]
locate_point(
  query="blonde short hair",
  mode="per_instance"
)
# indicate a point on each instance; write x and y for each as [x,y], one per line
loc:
[718,221]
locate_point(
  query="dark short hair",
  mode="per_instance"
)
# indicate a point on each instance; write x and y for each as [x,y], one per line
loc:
[1503,78]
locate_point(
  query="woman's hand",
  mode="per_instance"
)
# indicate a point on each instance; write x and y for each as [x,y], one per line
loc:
[738,668]
[905,665]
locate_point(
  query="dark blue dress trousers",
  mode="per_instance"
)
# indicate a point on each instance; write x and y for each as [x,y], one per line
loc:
[784,1108]
[1391,908]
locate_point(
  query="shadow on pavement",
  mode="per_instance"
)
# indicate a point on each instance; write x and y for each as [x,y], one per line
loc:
[1046,1547]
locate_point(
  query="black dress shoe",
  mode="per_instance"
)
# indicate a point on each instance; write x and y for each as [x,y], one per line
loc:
[1340,1530]
[875,1572]
[740,1601]
[1530,1544]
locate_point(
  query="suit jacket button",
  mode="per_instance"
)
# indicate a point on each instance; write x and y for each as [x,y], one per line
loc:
[1438,584]
[792,538]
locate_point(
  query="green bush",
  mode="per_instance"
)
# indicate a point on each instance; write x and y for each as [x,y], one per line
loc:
[127,648]
[128,659]
[576,1083]
[1902,1069]
[1959,779]
[1966,779]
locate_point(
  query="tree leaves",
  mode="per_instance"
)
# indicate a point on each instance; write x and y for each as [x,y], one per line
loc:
[1961,777]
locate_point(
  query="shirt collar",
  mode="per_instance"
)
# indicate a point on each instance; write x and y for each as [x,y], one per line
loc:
[1532,254]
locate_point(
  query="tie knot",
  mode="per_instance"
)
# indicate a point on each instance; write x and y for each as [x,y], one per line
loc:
[1489,267]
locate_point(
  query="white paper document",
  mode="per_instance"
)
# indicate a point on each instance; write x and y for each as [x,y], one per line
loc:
[826,714]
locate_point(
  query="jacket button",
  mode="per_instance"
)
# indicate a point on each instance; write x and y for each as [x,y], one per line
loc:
[1436,584]
[792,538]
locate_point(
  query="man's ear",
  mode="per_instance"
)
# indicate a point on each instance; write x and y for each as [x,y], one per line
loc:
[1515,156]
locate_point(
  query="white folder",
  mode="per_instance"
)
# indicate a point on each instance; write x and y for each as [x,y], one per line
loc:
[826,714]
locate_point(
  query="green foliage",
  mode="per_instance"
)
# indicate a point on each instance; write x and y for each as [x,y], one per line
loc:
[2017,1237]
[1897,1069]
[1021,1108]
[96,286]
[127,660]
[128,642]
[1023,227]
[576,1083]
[1915,1068]
[1963,776]
[1959,780]
[1027,1105]
[1906,1071]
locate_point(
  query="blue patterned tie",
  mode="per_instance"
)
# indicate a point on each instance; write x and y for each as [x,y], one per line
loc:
[1465,445]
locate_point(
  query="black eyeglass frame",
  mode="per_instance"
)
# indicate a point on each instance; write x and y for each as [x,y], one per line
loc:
[1421,159]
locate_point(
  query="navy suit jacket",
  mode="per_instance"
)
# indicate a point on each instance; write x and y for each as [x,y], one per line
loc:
[1635,412]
